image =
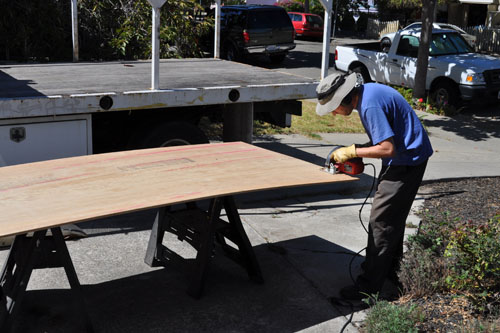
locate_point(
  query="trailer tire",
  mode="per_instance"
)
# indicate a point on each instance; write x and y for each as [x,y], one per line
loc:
[176,133]
[362,74]
[230,52]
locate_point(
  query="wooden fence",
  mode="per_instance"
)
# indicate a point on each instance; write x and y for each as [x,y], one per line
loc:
[487,40]
[376,28]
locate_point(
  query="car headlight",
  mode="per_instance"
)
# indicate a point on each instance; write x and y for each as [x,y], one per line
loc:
[476,78]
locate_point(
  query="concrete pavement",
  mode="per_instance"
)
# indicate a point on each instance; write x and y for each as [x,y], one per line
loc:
[304,239]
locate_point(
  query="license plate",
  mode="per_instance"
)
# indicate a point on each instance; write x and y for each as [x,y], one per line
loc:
[316,25]
[271,48]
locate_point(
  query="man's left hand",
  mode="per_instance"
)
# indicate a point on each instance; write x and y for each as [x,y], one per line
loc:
[345,153]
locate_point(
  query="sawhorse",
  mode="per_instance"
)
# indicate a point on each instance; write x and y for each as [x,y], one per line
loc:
[201,229]
[42,250]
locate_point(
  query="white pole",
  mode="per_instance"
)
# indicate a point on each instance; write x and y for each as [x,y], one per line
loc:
[325,59]
[155,54]
[217,30]
[74,29]
[327,5]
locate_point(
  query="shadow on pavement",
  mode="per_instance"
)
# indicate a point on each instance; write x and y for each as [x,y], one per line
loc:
[157,302]
[471,125]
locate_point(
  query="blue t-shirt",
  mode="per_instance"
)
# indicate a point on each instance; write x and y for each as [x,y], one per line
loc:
[385,114]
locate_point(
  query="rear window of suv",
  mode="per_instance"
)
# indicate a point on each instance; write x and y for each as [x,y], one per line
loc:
[261,19]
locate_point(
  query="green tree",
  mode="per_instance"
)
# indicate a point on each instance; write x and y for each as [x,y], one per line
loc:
[35,30]
[423,48]
[122,29]
[40,30]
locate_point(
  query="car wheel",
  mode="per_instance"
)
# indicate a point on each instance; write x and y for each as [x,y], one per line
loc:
[175,133]
[362,74]
[385,44]
[230,52]
[277,58]
[445,93]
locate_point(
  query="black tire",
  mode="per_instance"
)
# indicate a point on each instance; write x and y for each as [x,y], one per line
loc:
[446,93]
[362,74]
[174,133]
[385,44]
[277,58]
[230,52]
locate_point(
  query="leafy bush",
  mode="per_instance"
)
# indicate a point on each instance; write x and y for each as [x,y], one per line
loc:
[434,233]
[474,253]
[427,105]
[291,5]
[108,30]
[35,30]
[422,272]
[111,30]
[391,318]
[448,255]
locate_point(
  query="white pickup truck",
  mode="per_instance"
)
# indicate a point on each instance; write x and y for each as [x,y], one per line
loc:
[455,73]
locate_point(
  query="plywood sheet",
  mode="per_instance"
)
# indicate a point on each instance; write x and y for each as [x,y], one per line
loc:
[51,193]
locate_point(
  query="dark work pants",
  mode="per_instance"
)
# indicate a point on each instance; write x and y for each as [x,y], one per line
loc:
[396,190]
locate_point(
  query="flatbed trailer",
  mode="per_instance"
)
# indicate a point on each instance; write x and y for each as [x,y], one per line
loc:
[67,109]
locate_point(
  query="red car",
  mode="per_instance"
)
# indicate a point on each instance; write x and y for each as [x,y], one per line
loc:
[307,25]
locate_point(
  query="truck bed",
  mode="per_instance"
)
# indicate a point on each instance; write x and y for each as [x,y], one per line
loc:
[370,46]
[70,88]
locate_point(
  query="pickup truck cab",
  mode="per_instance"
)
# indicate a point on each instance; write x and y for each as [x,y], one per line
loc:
[455,73]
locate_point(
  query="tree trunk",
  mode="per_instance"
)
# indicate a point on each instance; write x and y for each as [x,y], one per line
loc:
[428,7]
[306,6]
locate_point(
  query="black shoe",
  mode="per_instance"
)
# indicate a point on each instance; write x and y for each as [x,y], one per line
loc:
[353,292]
[393,277]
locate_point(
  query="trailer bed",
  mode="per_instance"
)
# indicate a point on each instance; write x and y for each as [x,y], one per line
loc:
[71,88]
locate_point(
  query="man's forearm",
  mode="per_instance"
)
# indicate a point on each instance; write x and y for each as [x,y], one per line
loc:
[380,150]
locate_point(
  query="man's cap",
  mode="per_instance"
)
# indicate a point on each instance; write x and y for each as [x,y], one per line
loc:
[332,90]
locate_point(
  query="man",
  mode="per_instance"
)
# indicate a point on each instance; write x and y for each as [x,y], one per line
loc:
[398,138]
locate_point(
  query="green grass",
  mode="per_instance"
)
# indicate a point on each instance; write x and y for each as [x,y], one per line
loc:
[310,124]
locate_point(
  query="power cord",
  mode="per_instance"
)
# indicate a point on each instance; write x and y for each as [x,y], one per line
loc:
[357,253]
[368,196]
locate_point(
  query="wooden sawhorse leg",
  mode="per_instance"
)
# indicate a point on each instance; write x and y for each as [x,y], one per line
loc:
[27,254]
[201,229]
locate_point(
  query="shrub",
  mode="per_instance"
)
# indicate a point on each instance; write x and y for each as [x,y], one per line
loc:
[474,254]
[422,272]
[291,5]
[423,268]
[434,233]
[387,317]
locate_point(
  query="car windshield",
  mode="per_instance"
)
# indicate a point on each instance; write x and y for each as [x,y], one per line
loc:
[413,26]
[448,43]
[451,27]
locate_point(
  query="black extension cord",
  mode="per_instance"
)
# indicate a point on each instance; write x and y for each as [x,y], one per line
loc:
[357,253]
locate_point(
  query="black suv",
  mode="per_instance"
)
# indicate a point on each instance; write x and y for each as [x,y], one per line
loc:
[255,29]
